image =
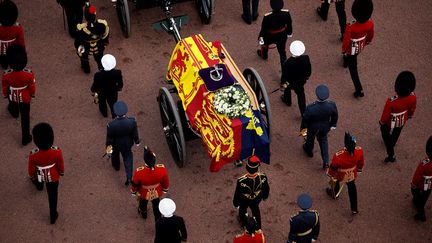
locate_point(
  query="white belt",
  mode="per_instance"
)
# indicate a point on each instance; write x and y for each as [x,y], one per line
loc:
[358,39]
[45,167]
[398,114]
[7,41]
[17,88]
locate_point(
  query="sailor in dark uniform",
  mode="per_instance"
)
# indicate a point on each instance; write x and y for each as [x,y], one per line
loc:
[106,85]
[305,225]
[122,134]
[250,190]
[91,39]
[319,118]
[275,29]
[170,228]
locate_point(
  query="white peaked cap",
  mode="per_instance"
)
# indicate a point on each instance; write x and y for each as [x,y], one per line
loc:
[297,48]
[108,62]
[167,207]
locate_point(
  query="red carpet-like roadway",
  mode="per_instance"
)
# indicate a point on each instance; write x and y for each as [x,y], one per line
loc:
[95,206]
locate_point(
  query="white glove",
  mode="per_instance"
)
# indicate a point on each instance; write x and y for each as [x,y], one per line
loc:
[81,49]
[332,128]
[261,41]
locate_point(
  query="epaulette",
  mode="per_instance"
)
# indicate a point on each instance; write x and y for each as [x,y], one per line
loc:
[314,211]
[160,165]
[102,21]
[140,168]
[425,161]
[81,26]
[8,71]
[242,177]
[393,98]
[34,151]
[340,152]
[293,216]
[28,70]
[267,14]
[55,147]
[358,148]
[284,10]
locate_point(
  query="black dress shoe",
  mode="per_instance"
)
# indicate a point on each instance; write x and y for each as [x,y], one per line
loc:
[308,152]
[247,21]
[358,94]
[390,159]
[27,140]
[318,10]
[419,217]
[255,17]
[284,101]
[325,166]
[54,219]
[330,193]
[127,182]
[354,212]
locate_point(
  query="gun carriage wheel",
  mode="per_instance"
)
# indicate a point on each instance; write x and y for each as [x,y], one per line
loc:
[205,10]
[172,126]
[257,85]
[122,9]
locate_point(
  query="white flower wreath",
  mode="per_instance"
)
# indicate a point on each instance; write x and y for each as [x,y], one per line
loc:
[232,101]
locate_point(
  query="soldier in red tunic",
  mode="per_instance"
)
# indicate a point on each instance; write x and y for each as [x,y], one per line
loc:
[19,87]
[421,183]
[397,111]
[149,182]
[357,35]
[11,32]
[46,165]
[251,234]
[343,169]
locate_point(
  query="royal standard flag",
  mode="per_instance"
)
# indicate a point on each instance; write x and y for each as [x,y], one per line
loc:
[225,139]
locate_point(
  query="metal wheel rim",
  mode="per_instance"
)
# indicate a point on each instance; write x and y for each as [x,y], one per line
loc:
[257,85]
[123,16]
[171,118]
[205,10]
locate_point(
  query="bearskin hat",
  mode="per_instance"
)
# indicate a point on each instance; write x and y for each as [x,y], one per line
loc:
[43,135]
[251,224]
[362,10]
[276,4]
[8,13]
[350,143]
[17,57]
[90,13]
[405,83]
[149,157]
[253,164]
[429,147]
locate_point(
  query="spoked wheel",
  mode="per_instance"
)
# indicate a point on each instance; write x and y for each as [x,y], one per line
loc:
[122,9]
[172,126]
[205,10]
[260,91]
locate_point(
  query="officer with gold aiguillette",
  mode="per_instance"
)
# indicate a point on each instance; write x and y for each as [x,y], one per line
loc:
[250,190]
[91,38]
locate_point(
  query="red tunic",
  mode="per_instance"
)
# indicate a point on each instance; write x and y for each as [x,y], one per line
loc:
[11,35]
[423,169]
[257,237]
[397,105]
[19,86]
[49,162]
[359,33]
[344,166]
[150,182]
